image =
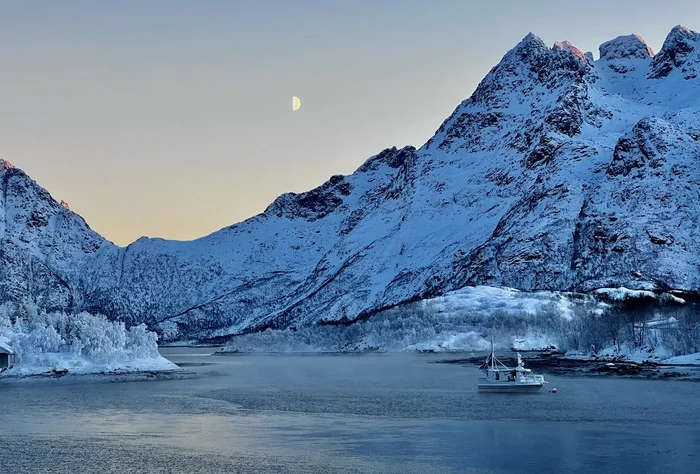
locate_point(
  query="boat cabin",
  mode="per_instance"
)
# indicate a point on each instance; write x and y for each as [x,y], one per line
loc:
[7,356]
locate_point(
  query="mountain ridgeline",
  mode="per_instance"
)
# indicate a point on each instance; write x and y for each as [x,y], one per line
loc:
[560,172]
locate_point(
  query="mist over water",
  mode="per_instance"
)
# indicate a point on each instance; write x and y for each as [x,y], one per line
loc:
[379,413]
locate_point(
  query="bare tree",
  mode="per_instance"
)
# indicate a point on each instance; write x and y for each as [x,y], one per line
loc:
[613,322]
[688,330]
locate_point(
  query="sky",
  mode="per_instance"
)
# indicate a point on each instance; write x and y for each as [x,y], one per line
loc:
[173,119]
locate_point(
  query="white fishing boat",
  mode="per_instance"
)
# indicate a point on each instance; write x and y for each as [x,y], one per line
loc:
[500,378]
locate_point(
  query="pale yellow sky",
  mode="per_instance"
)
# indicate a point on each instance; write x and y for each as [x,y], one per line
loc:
[173,119]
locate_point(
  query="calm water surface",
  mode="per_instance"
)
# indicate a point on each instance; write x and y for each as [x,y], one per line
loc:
[369,413]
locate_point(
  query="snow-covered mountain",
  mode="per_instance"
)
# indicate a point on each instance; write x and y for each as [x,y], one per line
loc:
[43,245]
[560,172]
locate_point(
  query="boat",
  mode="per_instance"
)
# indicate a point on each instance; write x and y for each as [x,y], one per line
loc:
[500,378]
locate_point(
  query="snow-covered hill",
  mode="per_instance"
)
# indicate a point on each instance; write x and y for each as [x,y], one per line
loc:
[560,172]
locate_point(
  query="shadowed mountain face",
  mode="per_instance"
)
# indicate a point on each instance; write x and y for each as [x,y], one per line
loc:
[559,172]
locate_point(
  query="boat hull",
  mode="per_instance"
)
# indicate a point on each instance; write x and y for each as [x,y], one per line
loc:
[510,387]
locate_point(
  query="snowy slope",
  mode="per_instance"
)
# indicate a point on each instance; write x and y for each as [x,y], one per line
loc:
[43,245]
[560,172]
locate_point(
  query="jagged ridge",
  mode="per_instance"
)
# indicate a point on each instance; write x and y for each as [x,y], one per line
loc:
[559,172]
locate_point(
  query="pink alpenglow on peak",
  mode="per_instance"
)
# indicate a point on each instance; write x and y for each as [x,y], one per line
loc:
[567,46]
[4,164]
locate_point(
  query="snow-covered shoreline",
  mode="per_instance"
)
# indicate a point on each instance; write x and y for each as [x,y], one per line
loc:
[593,327]
[658,357]
[69,365]
[58,343]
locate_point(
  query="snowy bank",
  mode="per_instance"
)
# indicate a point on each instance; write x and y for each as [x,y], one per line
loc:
[81,343]
[625,353]
[460,321]
[62,362]
[641,355]
[689,359]
[608,324]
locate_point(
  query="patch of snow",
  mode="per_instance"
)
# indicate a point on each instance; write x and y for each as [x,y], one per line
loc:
[668,297]
[480,299]
[452,342]
[622,294]
[5,345]
[689,359]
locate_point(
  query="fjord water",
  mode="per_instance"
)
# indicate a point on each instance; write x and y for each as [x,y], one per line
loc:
[378,413]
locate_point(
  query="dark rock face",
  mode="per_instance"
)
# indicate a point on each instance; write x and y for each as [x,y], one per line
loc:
[646,146]
[680,51]
[559,172]
[312,205]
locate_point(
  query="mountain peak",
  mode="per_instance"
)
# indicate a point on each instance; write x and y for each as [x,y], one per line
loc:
[680,51]
[625,47]
[567,46]
[6,165]
[530,45]
[680,30]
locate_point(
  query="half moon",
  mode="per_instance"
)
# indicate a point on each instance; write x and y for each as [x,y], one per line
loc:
[296,103]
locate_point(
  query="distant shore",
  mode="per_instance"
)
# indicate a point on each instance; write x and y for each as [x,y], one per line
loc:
[558,364]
